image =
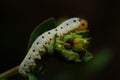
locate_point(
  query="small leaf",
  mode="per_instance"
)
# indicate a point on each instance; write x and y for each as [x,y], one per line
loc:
[41,28]
[83,33]
[67,37]
[51,47]
[87,56]
[70,55]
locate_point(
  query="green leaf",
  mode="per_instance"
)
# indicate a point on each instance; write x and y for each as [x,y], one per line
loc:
[41,28]
[87,56]
[51,47]
[83,33]
[70,55]
[32,77]
[67,37]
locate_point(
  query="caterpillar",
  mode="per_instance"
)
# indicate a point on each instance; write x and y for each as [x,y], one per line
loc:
[41,43]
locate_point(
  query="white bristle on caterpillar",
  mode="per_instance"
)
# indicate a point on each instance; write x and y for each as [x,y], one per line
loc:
[42,41]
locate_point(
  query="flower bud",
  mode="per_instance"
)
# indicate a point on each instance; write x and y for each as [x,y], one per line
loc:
[79,44]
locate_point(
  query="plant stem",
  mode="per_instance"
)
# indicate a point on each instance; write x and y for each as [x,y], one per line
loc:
[9,73]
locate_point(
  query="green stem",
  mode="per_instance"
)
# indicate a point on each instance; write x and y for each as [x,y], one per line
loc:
[9,73]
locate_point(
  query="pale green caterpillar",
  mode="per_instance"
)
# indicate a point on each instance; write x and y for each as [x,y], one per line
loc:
[42,42]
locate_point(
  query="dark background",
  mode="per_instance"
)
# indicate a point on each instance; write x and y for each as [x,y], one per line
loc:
[18,18]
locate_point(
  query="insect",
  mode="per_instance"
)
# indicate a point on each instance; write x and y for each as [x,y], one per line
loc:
[41,43]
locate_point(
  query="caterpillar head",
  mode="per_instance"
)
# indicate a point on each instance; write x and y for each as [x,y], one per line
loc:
[83,25]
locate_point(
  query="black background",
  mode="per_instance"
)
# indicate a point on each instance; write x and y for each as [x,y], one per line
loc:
[18,18]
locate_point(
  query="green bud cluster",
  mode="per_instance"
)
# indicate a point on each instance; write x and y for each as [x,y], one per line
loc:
[71,45]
